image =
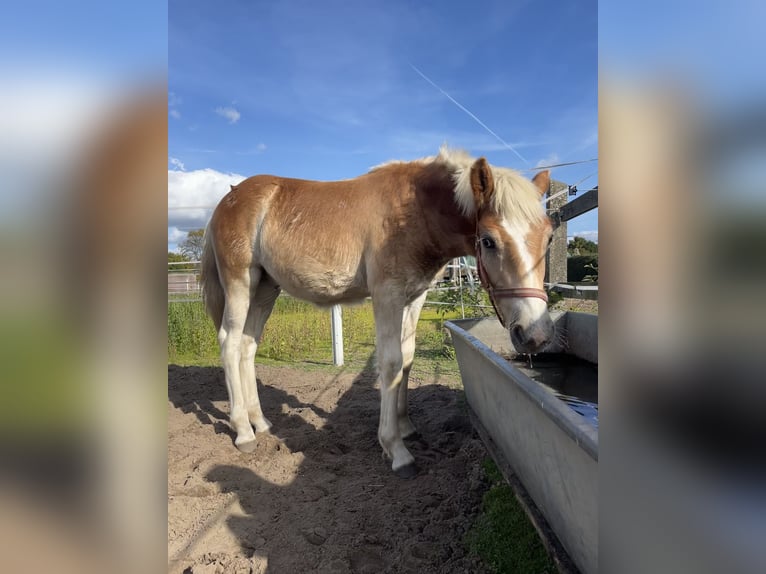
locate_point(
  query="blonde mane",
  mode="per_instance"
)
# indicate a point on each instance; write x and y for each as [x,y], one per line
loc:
[516,198]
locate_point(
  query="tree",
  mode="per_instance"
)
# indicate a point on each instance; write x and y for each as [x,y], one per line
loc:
[581,246]
[179,258]
[192,246]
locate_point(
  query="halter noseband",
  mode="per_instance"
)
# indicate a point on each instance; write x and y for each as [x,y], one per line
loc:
[506,293]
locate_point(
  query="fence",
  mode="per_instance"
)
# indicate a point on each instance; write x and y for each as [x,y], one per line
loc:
[561,211]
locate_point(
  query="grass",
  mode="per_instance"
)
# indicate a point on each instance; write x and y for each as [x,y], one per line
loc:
[502,536]
[299,333]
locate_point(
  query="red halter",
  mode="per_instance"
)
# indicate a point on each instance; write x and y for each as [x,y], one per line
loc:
[494,293]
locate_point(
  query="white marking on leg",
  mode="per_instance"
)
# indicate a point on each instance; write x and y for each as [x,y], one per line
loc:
[409,329]
[260,309]
[234,316]
[388,328]
[250,385]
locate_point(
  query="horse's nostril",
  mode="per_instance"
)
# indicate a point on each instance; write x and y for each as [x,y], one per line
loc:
[518,332]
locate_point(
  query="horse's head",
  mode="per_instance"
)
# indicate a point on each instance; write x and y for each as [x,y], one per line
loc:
[512,236]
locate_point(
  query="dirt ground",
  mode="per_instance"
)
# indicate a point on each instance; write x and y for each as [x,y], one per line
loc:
[316,495]
[579,305]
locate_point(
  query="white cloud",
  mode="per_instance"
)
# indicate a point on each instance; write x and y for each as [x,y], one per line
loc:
[591,235]
[173,103]
[261,147]
[177,163]
[229,113]
[175,235]
[192,195]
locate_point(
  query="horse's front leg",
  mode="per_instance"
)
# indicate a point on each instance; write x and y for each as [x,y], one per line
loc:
[409,328]
[388,328]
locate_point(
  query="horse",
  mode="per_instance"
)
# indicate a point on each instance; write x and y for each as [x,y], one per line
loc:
[386,235]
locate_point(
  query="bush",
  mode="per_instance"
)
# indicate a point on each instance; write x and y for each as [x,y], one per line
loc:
[453,301]
[580,266]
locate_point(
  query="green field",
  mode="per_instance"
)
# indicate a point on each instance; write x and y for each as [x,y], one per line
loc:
[298,332]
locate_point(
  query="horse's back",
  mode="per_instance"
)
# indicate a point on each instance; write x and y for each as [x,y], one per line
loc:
[323,241]
[310,237]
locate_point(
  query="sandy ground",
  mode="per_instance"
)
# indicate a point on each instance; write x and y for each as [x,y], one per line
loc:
[316,495]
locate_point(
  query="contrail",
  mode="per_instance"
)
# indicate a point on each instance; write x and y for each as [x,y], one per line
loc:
[462,107]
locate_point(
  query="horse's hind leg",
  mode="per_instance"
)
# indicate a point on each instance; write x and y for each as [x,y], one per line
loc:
[235,314]
[261,305]
[409,327]
[388,330]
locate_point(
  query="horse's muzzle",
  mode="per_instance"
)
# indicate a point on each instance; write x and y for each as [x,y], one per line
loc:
[532,339]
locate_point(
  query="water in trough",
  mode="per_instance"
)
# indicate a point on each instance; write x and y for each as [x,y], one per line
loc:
[573,380]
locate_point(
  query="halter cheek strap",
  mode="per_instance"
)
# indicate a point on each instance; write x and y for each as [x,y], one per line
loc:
[506,293]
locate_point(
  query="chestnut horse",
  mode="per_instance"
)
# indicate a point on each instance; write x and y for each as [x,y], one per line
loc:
[385,235]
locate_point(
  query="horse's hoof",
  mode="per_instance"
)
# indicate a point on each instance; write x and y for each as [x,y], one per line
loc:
[246,447]
[407,471]
[261,424]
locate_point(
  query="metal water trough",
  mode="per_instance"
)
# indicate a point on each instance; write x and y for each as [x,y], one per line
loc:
[548,452]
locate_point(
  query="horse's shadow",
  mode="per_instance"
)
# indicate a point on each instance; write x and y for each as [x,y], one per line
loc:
[344,510]
[199,400]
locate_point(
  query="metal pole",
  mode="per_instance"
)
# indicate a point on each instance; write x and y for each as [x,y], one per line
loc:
[337,335]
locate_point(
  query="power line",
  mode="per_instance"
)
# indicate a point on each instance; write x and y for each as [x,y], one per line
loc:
[560,164]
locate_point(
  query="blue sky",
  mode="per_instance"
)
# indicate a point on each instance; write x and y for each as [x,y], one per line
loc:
[84,36]
[325,90]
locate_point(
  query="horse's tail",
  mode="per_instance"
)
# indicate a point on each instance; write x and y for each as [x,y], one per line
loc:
[212,290]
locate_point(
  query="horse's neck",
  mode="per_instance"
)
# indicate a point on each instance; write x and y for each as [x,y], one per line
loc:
[449,233]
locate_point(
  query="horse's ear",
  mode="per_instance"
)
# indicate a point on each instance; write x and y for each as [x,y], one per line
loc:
[482,182]
[543,181]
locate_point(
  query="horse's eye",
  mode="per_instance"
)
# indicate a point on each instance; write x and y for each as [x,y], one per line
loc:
[487,242]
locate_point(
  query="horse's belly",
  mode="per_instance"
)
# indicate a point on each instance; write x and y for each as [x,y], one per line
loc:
[323,285]
[309,266]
